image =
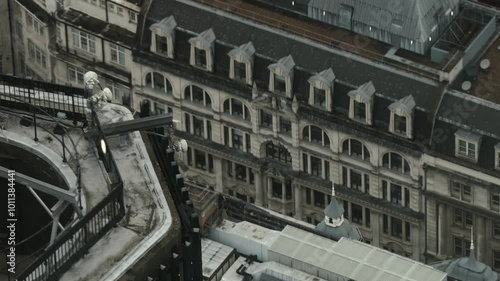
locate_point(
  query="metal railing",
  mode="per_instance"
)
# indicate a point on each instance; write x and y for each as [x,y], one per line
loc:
[52,98]
[74,243]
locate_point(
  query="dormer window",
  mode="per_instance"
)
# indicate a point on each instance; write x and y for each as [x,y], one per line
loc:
[402,116]
[467,144]
[241,63]
[497,156]
[320,89]
[281,76]
[202,50]
[361,105]
[200,57]
[163,37]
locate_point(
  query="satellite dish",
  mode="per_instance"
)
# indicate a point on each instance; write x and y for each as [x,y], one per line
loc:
[183,145]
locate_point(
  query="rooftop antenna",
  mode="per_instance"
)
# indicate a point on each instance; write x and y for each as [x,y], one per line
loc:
[471,239]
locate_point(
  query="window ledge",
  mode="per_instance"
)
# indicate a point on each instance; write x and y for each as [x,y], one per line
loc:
[466,157]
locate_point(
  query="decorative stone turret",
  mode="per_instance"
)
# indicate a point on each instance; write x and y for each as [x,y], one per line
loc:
[335,226]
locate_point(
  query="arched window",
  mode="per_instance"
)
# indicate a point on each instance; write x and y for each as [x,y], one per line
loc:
[197,94]
[355,148]
[278,152]
[315,134]
[394,161]
[159,82]
[236,108]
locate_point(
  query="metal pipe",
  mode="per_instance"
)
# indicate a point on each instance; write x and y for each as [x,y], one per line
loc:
[43,204]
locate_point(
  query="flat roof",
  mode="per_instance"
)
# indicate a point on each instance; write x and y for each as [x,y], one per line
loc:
[352,259]
[213,256]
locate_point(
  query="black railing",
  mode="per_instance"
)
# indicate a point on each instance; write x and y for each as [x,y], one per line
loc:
[76,242]
[20,93]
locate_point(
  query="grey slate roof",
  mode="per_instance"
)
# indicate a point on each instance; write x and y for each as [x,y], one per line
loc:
[344,230]
[416,17]
[334,209]
[467,269]
[310,57]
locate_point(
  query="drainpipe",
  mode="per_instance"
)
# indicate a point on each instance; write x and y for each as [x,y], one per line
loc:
[12,41]
[106,9]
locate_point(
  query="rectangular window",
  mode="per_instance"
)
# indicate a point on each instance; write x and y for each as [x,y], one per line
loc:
[132,16]
[308,196]
[461,191]
[356,180]
[161,44]
[237,139]
[119,11]
[200,57]
[248,143]
[200,159]
[462,218]
[385,223]
[319,97]
[279,84]
[407,197]
[190,156]
[367,217]
[458,246]
[327,170]
[285,125]
[33,24]
[305,162]
[198,126]
[226,136]
[319,199]
[407,231]
[399,124]
[357,213]
[396,227]
[367,183]
[495,202]
[75,74]
[266,119]
[288,190]
[83,40]
[467,149]
[240,70]
[187,122]
[209,130]
[229,167]
[19,30]
[241,172]
[396,194]
[277,188]
[384,190]
[496,260]
[496,229]
[360,110]
[36,54]
[117,54]
[346,209]
[345,181]
[316,166]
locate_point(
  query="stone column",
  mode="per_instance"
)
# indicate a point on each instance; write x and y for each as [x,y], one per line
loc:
[479,238]
[298,202]
[442,238]
[259,193]
[219,184]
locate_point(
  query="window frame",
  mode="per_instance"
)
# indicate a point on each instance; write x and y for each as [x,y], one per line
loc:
[325,138]
[458,190]
[190,93]
[348,151]
[78,72]
[404,163]
[167,86]
[119,53]
[79,36]
[283,156]
[229,105]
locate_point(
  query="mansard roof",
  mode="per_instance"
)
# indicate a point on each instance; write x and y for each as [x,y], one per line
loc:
[392,85]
